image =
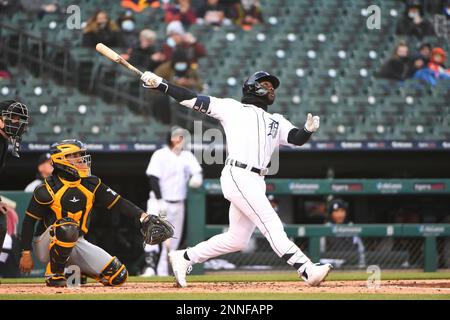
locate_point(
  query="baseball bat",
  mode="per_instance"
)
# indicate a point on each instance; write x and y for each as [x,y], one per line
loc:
[114,56]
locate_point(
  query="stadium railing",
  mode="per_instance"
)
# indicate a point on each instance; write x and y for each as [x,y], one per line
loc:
[392,246]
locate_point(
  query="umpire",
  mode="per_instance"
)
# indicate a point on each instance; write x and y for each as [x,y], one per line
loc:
[13,124]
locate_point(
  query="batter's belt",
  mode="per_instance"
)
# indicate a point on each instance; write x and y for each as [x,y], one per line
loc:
[235,163]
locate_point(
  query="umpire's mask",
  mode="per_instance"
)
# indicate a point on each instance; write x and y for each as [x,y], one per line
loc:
[15,116]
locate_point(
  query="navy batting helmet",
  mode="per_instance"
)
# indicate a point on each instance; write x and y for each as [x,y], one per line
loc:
[252,84]
[336,204]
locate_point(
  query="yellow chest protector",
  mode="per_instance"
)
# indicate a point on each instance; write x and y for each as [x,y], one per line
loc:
[73,199]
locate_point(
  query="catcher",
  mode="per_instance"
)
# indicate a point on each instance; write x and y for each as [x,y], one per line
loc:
[63,206]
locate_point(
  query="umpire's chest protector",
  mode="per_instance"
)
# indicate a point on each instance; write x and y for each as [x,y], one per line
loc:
[73,199]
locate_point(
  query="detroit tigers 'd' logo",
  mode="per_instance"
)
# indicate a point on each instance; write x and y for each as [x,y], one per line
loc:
[273,128]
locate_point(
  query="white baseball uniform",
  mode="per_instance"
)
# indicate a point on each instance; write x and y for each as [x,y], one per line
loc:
[252,136]
[173,172]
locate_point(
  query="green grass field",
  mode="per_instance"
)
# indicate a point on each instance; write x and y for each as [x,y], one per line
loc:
[264,277]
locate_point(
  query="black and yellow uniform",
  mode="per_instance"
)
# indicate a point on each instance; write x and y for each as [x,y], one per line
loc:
[58,198]
[63,205]
[66,207]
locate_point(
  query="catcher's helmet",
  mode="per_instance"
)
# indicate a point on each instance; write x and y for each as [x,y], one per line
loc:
[70,157]
[15,115]
[252,84]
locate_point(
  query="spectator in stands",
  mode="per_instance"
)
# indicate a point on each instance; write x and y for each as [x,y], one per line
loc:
[4,73]
[145,55]
[247,13]
[397,67]
[420,59]
[40,7]
[100,28]
[44,170]
[182,11]
[437,6]
[435,70]
[336,248]
[446,9]
[212,13]
[178,38]
[9,7]
[139,5]
[414,24]
[180,71]
[128,34]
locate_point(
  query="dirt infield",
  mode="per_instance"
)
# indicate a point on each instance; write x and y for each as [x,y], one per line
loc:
[346,287]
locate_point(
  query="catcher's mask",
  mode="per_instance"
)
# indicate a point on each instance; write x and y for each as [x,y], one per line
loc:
[253,84]
[71,157]
[15,116]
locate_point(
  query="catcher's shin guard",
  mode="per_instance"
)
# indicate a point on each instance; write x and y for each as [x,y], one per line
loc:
[54,279]
[114,273]
[64,236]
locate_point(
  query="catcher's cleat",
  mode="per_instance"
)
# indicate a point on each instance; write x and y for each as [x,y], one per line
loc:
[56,280]
[83,279]
[180,267]
[314,274]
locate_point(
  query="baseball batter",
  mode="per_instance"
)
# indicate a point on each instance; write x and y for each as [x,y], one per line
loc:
[170,170]
[252,136]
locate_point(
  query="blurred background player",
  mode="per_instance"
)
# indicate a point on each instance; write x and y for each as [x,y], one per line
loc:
[63,205]
[341,248]
[44,170]
[13,124]
[170,170]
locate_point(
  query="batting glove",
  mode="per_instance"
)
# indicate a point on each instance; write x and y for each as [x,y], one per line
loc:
[312,123]
[151,80]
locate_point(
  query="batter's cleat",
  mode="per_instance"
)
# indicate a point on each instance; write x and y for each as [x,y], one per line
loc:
[314,274]
[56,280]
[180,267]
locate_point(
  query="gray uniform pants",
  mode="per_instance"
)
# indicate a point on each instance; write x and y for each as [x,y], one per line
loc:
[89,258]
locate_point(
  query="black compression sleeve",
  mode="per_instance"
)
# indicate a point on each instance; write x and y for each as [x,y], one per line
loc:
[176,92]
[126,207]
[27,232]
[298,137]
[154,186]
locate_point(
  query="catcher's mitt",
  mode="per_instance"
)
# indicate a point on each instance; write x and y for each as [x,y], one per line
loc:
[156,229]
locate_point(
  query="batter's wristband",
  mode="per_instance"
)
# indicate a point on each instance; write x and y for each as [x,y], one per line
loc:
[163,86]
[307,131]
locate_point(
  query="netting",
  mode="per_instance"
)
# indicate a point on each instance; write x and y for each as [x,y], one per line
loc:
[345,253]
